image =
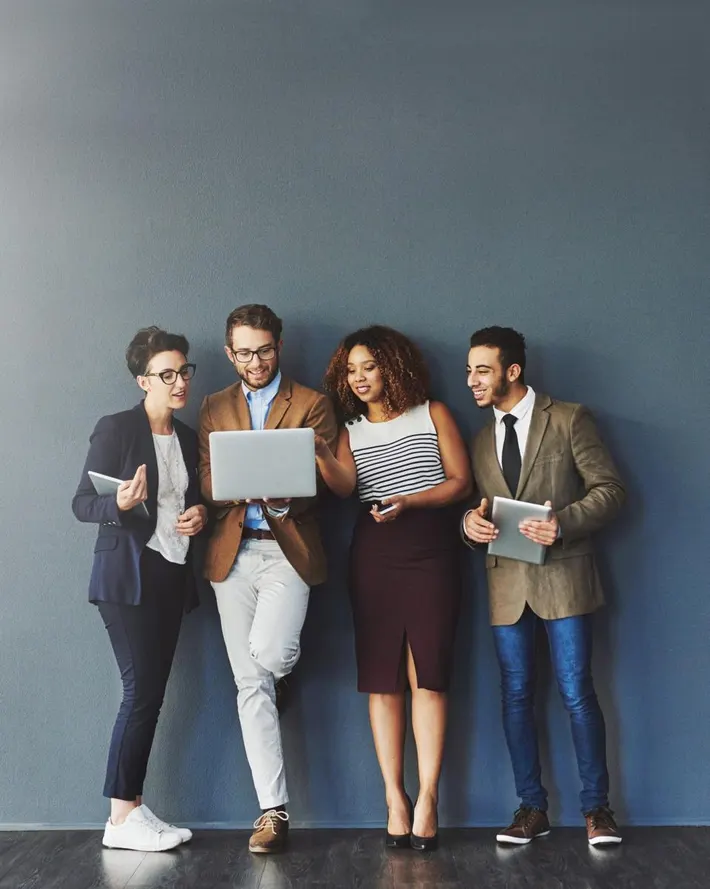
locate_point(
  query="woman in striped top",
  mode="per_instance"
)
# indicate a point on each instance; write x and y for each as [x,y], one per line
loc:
[407,459]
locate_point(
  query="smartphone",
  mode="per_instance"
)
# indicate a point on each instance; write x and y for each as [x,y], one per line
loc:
[383,510]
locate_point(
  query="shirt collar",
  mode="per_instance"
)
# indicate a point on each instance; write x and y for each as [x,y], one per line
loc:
[268,393]
[521,409]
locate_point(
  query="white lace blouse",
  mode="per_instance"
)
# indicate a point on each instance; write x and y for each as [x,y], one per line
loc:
[172,485]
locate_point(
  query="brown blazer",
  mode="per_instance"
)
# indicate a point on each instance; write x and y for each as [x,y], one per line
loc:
[297,534]
[566,462]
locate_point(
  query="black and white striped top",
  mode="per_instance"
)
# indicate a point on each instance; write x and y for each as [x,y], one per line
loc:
[399,456]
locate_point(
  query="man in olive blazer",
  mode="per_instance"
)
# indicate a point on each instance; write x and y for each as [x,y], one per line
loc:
[539,450]
[263,556]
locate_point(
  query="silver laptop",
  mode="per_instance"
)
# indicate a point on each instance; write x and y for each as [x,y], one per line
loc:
[254,464]
[511,543]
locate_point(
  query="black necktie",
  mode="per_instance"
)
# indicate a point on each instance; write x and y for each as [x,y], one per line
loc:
[511,454]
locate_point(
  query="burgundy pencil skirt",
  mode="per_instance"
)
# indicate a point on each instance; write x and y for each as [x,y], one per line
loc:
[405,587]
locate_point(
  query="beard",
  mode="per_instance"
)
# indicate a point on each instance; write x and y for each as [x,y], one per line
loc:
[258,384]
[498,392]
[501,391]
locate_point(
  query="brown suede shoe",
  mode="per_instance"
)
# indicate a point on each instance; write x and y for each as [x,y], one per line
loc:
[527,824]
[270,832]
[601,827]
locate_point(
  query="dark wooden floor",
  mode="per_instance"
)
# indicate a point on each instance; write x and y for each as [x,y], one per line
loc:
[650,858]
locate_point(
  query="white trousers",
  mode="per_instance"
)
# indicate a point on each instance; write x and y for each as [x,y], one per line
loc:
[262,606]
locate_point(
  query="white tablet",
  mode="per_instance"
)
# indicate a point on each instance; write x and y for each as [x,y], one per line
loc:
[511,543]
[254,464]
[106,484]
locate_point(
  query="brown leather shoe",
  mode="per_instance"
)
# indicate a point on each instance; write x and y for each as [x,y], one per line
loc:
[527,825]
[270,832]
[601,827]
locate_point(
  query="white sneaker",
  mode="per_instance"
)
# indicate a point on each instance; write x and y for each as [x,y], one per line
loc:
[184,833]
[139,833]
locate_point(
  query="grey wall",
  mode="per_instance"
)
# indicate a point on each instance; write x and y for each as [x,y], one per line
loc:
[435,166]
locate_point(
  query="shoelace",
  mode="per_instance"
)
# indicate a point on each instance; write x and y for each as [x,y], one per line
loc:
[601,818]
[523,817]
[154,821]
[270,819]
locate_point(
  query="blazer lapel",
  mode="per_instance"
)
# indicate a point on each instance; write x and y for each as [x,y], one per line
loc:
[146,450]
[243,417]
[280,404]
[538,425]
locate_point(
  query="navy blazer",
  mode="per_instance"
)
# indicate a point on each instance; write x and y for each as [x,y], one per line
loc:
[121,443]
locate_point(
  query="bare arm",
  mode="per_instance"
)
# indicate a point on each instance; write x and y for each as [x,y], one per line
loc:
[454,458]
[321,418]
[337,470]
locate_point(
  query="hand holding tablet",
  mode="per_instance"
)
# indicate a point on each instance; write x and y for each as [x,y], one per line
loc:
[129,494]
[510,542]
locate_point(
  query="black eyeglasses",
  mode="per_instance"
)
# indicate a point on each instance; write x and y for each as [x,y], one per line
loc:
[244,356]
[187,372]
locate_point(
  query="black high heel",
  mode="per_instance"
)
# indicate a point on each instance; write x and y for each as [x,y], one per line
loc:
[401,840]
[424,844]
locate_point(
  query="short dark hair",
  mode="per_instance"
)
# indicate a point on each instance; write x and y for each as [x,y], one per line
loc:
[404,371]
[150,341]
[510,345]
[256,316]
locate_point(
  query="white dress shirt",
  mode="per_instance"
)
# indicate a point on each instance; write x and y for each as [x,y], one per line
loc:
[523,411]
[259,402]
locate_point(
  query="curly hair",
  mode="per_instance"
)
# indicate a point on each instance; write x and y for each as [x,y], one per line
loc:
[405,376]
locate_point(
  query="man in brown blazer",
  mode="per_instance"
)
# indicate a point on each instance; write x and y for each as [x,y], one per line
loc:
[263,556]
[539,450]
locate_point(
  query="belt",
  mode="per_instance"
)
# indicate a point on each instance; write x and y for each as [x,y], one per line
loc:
[257,534]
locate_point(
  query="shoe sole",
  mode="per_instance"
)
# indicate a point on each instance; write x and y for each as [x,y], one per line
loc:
[605,841]
[136,849]
[519,841]
[264,850]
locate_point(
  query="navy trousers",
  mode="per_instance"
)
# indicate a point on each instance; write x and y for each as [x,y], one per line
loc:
[144,638]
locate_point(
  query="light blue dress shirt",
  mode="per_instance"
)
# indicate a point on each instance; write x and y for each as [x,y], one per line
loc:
[259,403]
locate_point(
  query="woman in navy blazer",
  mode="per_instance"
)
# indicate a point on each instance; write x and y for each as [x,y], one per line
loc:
[144,574]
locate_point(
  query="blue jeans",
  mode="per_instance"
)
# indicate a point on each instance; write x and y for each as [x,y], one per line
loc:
[570,640]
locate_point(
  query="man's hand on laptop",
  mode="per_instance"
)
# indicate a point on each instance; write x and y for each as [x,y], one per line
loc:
[276,507]
[273,502]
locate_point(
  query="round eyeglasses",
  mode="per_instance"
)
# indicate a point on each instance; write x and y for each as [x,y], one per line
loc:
[187,372]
